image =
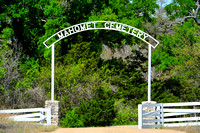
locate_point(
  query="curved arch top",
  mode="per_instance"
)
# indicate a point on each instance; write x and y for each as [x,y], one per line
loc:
[105,25]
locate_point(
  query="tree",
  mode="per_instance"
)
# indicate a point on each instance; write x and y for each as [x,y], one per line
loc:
[184,10]
[25,19]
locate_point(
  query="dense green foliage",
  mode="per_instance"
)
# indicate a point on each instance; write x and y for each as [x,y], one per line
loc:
[100,76]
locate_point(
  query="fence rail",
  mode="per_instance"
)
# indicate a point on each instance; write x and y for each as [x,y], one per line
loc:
[168,114]
[41,115]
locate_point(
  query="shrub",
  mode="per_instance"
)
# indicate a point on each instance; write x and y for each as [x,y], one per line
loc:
[125,114]
[97,112]
[71,119]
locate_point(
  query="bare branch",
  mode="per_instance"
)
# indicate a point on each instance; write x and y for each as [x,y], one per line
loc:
[189,17]
[195,13]
[175,23]
[43,20]
[198,7]
[41,8]
[194,16]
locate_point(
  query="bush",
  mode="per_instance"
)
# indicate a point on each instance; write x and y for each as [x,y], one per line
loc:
[71,119]
[97,112]
[125,114]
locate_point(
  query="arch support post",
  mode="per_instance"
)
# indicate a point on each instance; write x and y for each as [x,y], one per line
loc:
[52,72]
[149,74]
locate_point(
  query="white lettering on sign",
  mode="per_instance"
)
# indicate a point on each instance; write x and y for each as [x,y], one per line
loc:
[118,26]
[106,25]
[82,27]
[88,26]
[134,32]
[71,30]
[112,25]
[66,33]
[102,25]
[60,35]
[94,24]
[77,28]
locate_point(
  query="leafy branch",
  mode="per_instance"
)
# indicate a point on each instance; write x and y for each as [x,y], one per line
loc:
[193,16]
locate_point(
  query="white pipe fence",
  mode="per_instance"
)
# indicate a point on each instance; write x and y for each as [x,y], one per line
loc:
[168,115]
[41,115]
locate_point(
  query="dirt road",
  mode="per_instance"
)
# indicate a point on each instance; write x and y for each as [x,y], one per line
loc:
[127,129]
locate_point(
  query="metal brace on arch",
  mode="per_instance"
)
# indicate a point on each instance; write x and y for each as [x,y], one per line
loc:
[103,25]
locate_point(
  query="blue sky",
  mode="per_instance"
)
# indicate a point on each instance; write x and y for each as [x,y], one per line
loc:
[168,1]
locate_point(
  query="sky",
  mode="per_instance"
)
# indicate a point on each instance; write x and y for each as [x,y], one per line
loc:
[167,2]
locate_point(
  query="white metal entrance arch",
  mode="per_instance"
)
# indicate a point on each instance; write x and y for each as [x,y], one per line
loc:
[105,25]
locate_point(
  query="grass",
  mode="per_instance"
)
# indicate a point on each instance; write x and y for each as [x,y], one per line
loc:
[8,126]
[187,129]
[133,123]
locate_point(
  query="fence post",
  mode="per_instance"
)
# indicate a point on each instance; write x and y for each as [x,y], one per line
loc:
[158,117]
[140,118]
[41,117]
[48,116]
[149,109]
[162,114]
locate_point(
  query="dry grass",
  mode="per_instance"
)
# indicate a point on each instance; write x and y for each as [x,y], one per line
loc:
[8,126]
[187,129]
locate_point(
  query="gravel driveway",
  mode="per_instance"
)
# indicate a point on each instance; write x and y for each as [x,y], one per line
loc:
[118,129]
